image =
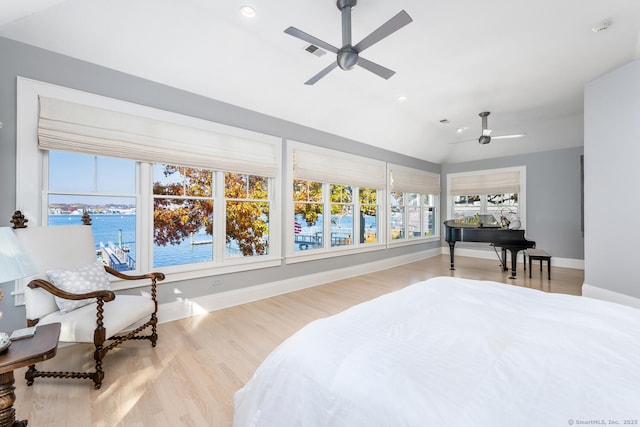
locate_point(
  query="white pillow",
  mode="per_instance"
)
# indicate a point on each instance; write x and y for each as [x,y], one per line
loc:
[88,278]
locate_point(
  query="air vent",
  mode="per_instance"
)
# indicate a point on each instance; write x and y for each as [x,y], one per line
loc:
[315,50]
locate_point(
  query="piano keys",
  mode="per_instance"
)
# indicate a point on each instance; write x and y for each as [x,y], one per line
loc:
[489,231]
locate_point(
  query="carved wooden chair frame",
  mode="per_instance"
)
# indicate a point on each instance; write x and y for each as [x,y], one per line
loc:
[102,343]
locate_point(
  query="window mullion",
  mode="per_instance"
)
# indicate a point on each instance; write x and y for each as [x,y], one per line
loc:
[326,216]
[144,217]
[219,218]
[355,202]
[95,174]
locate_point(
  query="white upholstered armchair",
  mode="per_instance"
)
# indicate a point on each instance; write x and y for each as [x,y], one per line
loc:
[73,289]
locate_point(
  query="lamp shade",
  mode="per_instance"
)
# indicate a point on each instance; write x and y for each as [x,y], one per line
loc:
[14,262]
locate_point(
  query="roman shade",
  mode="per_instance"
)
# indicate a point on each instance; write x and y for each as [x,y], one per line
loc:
[489,183]
[411,180]
[68,126]
[336,167]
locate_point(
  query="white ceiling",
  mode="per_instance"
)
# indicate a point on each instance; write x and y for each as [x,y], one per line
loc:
[525,61]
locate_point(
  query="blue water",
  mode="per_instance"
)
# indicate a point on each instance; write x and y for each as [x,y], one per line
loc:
[109,228]
[121,229]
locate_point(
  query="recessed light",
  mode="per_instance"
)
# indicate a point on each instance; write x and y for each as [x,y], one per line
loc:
[248,11]
[460,130]
[402,98]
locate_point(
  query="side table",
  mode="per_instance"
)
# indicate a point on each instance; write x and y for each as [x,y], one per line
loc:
[24,352]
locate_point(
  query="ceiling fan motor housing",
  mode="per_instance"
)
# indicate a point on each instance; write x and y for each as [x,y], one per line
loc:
[485,138]
[346,3]
[347,57]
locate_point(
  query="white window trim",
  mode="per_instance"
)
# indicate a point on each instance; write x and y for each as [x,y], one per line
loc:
[293,256]
[416,240]
[30,173]
[411,178]
[522,195]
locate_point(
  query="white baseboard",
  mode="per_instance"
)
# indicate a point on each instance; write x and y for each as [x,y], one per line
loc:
[184,308]
[611,296]
[577,264]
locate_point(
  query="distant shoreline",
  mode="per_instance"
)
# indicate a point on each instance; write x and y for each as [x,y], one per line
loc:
[92,213]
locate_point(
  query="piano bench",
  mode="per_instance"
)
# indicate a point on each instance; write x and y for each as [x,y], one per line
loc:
[539,254]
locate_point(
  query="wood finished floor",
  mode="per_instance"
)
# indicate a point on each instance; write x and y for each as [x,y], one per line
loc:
[190,378]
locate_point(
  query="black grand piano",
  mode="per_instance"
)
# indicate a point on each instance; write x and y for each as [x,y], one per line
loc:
[488,230]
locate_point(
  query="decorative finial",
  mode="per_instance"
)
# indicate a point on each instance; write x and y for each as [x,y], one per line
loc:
[18,220]
[86,218]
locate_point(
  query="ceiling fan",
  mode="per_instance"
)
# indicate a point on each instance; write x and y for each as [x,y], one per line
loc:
[348,56]
[486,137]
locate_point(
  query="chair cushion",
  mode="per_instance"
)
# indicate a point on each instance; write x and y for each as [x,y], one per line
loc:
[38,303]
[88,278]
[119,314]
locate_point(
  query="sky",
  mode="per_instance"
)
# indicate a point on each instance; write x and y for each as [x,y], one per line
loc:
[83,173]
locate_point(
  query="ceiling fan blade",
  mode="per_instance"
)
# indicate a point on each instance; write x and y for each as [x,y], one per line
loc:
[401,19]
[293,31]
[515,135]
[466,140]
[376,69]
[321,74]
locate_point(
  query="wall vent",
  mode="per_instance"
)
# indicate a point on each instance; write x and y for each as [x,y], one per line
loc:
[315,50]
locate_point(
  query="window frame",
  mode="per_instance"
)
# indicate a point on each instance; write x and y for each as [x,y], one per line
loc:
[407,239]
[327,251]
[31,181]
[522,194]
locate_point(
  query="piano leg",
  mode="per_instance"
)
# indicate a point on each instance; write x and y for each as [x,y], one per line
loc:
[514,258]
[504,259]
[451,247]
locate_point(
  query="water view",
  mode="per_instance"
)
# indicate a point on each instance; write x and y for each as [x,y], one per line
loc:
[120,231]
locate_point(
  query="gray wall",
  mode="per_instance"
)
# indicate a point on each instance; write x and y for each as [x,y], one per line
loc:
[22,60]
[553,197]
[612,176]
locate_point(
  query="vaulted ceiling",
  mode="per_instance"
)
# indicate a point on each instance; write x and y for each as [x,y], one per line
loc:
[526,62]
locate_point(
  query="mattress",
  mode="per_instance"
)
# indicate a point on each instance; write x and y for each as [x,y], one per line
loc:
[453,352]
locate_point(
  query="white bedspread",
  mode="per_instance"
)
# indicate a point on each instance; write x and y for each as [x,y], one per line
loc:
[453,352]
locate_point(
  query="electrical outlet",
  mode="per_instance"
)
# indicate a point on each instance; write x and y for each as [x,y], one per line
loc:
[217,281]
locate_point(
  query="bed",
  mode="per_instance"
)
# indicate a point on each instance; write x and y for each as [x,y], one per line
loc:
[453,352]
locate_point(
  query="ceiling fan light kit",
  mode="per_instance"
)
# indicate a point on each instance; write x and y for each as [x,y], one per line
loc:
[348,56]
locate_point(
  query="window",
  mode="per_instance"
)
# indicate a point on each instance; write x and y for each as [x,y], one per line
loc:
[498,193]
[413,202]
[412,215]
[468,208]
[182,215]
[397,215]
[341,215]
[368,215]
[308,219]
[103,187]
[309,205]
[183,209]
[247,215]
[336,200]
[164,190]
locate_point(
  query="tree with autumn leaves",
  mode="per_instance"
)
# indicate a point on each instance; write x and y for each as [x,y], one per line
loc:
[308,202]
[183,206]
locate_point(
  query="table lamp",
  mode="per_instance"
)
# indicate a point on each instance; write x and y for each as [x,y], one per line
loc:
[14,262]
